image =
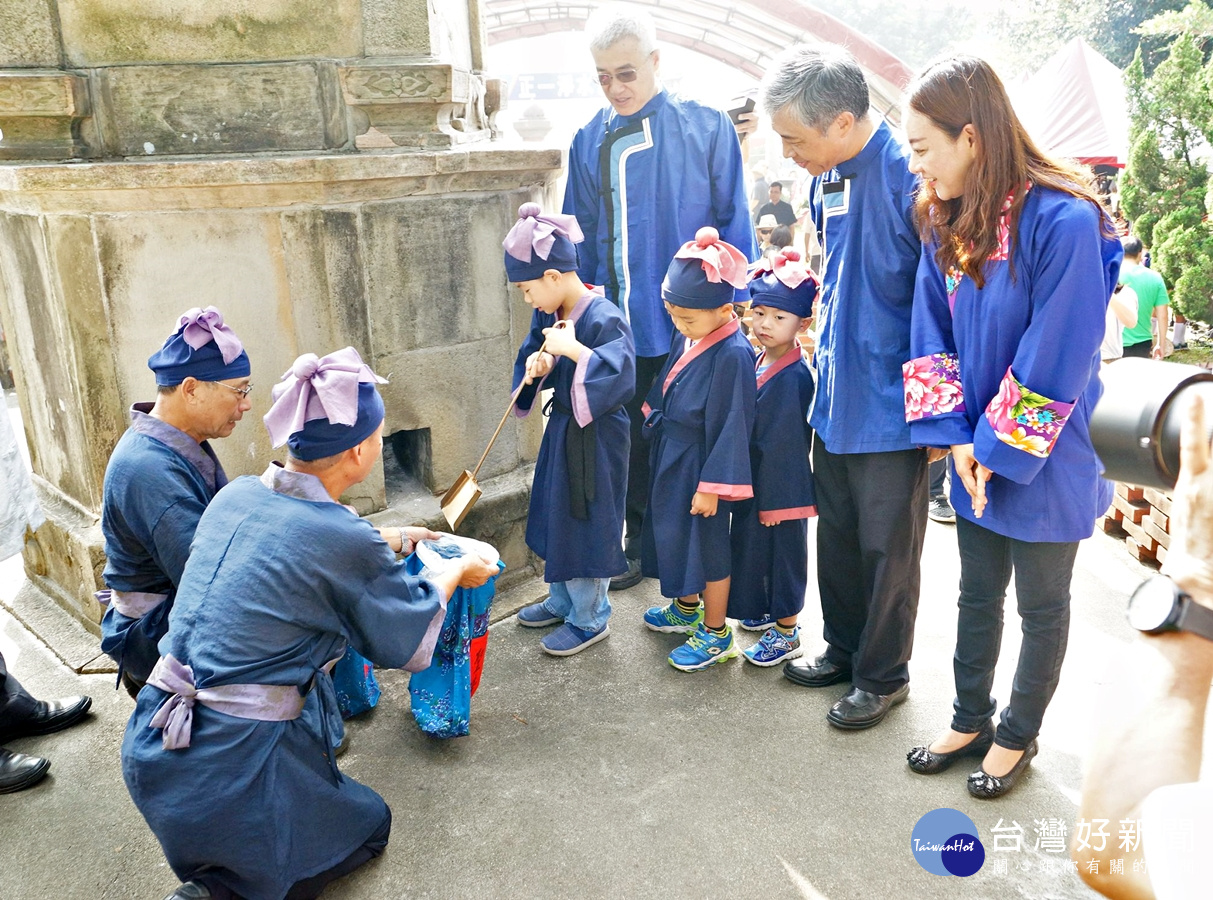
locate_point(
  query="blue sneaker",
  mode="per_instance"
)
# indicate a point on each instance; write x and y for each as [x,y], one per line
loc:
[757,624]
[569,639]
[703,649]
[671,620]
[537,616]
[774,647]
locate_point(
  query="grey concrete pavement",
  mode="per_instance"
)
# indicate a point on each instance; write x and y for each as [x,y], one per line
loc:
[612,774]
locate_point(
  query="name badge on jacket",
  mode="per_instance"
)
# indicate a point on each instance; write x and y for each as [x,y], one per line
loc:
[836,198]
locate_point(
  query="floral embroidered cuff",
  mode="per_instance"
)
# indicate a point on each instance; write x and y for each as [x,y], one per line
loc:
[1026,420]
[932,386]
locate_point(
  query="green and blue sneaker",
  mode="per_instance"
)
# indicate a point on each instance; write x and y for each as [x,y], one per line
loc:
[671,620]
[774,647]
[703,649]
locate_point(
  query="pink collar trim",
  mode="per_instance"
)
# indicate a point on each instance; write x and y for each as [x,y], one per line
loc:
[790,358]
[726,330]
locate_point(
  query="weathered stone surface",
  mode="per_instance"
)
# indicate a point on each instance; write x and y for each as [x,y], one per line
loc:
[66,557]
[118,32]
[42,347]
[157,266]
[397,28]
[74,257]
[323,262]
[415,104]
[39,112]
[294,181]
[434,272]
[27,34]
[459,393]
[42,94]
[155,110]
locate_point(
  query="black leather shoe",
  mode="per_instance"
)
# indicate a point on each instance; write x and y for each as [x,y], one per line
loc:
[48,716]
[818,673]
[925,761]
[863,709]
[18,771]
[986,787]
[632,577]
[191,890]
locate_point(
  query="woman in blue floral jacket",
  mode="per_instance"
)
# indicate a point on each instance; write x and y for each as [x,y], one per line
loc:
[1018,265]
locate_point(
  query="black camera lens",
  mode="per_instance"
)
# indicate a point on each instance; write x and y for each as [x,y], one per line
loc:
[1135,426]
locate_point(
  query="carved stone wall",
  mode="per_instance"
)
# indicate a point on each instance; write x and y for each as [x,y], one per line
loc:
[321,170]
[105,79]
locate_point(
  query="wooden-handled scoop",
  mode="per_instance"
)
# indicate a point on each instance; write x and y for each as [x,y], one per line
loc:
[458,501]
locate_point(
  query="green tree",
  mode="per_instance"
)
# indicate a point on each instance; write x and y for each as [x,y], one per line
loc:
[1164,187]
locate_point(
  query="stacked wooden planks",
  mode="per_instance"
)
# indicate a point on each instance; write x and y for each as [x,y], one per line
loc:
[1143,516]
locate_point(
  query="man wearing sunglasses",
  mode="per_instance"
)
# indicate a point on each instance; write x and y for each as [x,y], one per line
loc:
[644,175]
[160,478]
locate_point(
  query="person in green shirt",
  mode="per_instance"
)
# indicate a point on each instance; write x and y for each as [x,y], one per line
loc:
[1142,340]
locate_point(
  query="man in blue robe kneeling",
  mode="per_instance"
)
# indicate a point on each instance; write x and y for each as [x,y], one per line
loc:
[162,475]
[228,753]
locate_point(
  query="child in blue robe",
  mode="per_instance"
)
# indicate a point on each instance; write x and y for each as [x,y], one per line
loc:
[699,415]
[228,752]
[580,345]
[770,531]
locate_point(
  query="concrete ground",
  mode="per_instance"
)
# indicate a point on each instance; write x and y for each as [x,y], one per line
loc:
[612,774]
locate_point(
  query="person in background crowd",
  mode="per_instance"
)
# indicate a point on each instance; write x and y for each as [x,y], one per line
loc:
[1144,339]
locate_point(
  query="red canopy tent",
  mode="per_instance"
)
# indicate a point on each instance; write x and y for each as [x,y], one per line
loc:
[1075,107]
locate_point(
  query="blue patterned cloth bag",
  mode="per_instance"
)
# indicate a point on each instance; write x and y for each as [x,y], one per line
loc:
[442,694]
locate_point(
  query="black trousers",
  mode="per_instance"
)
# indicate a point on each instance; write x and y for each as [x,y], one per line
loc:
[310,888]
[1141,350]
[15,703]
[872,517]
[1042,591]
[647,370]
[938,473]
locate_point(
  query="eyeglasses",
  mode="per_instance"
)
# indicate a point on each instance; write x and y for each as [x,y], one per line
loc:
[627,76]
[243,392]
[765,230]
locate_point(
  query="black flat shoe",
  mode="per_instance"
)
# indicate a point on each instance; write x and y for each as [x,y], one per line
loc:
[984,786]
[863,709]
[18,771]
[48,716]
[926,761]
[817,673]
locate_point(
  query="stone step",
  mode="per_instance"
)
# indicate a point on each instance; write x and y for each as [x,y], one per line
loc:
[65,635]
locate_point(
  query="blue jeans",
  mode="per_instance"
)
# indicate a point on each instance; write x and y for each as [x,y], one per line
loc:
[580,601]
[1042,590]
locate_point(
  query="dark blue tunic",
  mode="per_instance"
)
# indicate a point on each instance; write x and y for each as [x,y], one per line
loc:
[158,483]
[281,577]
[771,562]
[864,215]
[590,393]
[700,413]
[1028,374]
[640,187]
